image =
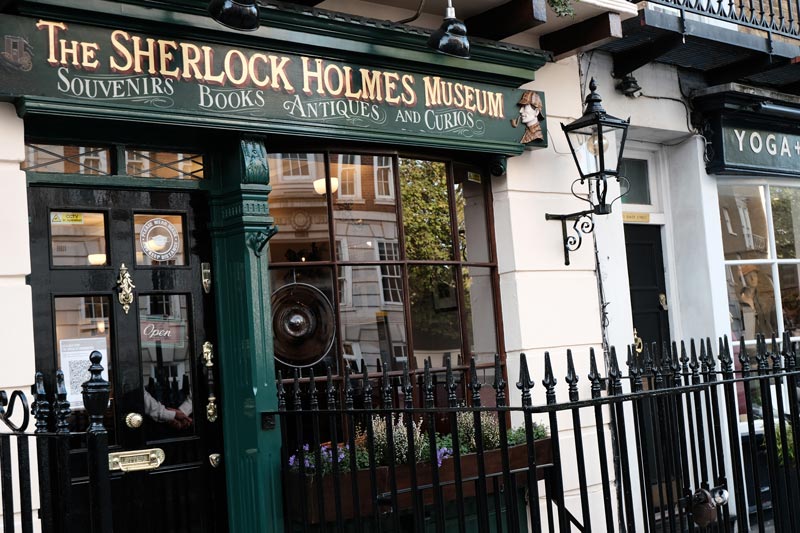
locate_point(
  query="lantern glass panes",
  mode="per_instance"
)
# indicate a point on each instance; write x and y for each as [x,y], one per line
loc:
[597,145]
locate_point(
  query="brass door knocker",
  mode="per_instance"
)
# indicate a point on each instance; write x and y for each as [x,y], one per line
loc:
[125,287]
[637,342]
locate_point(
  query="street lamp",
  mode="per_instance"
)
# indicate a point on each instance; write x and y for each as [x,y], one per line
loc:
[597,141]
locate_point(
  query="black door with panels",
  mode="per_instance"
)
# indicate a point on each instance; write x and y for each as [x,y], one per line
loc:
[121,272]
[647,282]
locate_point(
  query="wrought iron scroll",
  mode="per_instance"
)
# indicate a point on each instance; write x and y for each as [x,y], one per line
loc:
[6,414]
[582,224]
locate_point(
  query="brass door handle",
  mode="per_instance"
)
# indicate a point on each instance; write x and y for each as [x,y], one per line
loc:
[134,420]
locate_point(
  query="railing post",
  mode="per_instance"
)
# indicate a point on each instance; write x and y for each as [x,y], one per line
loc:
[95,398]
[61,412]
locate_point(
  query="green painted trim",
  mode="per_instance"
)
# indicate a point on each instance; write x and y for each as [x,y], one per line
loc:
[239,221]
[32,105]
[126,182]
[302,30]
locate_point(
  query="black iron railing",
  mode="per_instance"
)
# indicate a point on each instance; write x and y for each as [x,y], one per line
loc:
[52,439]
[770,16]
[689,439]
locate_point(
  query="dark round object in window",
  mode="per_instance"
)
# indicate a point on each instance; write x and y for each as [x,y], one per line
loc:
[302,324]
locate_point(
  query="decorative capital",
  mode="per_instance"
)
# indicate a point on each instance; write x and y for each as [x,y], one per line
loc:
[254,159]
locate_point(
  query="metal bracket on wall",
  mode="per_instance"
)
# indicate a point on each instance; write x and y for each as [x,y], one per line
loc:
[583,224]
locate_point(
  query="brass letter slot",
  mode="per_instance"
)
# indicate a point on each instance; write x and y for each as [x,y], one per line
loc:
[136,460]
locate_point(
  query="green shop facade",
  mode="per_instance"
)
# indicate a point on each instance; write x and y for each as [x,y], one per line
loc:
[190,187]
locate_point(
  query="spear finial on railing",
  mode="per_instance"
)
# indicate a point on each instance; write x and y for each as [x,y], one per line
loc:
[499,382]
[775,355]
[725,357]
[594,375]
[386,384]
[330,388]
[452,399]
[474,384]
[761,353]
[633,369]
[62,405]
[675,365]
[525,384]
[703,359]
[366,386]
[428,384]
[41,407]
[572,378]
[615,382]
[693,364]
[348,389]
[710,359]
[312,389]
[408,388]
[684,359]
[788,351]
[549,380]
[281,392]
[297,397]
[647,359]
[744,357]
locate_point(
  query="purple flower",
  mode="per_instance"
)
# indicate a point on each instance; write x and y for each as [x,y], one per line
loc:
[442,454]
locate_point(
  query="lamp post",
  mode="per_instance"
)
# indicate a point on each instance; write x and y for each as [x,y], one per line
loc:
[597,142]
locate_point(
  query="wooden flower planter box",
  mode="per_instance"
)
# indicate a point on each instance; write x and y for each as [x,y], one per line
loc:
[493,465]
[298,487]
[493,468]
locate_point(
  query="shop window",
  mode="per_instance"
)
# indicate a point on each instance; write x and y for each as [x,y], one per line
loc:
[431,278]
[762,257]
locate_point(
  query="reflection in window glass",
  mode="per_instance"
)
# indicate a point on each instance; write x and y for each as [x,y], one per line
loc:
[166,365]
[159,240]
[746,206]
[62,159]
[789,276]
[82,327]
[298,204]
[78,239]
[426,210]
[434,314]
[754,304]
[164,165]
[369,258]
[471,213]
[786,220]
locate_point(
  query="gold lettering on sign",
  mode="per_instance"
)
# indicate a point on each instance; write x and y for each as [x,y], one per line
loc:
[640,218]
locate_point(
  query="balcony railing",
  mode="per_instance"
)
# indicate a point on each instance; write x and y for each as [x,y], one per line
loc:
[770,16]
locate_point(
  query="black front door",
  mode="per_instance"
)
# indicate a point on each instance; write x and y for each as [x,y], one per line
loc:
[119,271]
[647,283]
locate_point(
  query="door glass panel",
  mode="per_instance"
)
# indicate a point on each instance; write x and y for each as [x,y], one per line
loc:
[159,240]
[82,326]
[78,239]
[166,365]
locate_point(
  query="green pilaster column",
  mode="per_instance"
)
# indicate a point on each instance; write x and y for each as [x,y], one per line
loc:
[241,227]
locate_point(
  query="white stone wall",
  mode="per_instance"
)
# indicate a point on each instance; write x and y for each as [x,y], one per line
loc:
[16,315]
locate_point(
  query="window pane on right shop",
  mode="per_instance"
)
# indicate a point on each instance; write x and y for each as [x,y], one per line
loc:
[743,218]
